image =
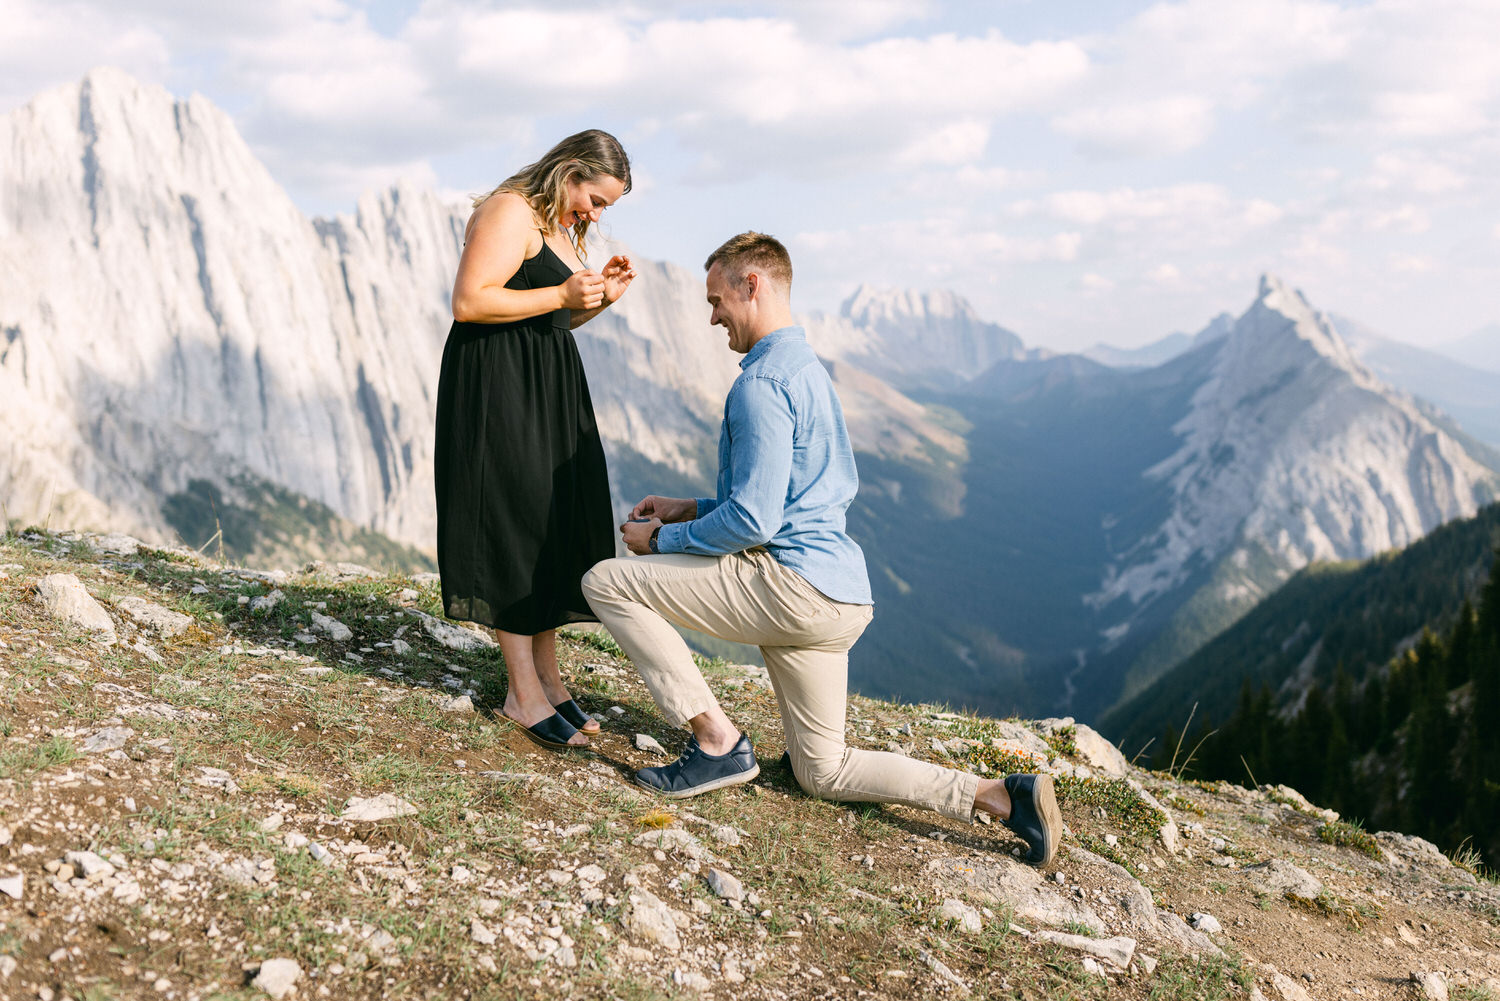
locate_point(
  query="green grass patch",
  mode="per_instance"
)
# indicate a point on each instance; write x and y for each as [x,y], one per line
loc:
[23,762]
[1118,800]
[1349,834]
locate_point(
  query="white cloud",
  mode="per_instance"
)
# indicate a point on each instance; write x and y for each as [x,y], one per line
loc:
[1151,127]
[1403,219]
[1411,263]
[1164,274]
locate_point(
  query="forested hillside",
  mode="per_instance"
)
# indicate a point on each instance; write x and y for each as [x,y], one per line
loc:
[1356,615]
[1413,745]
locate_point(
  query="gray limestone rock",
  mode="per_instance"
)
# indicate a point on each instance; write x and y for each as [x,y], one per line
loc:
[646,742]
[648,918]
[386,806]
[149,615]
[65,597]
[961,914]
[89,865]
[111,738]
[332,628]
[277,977]
[1431,986]
[451,636]
[1279,877]
[1009,883]
[725,886]
[1116,951]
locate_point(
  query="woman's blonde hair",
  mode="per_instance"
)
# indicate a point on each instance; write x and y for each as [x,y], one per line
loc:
[584,156]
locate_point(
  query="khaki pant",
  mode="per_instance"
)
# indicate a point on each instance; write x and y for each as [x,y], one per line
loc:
[805,638]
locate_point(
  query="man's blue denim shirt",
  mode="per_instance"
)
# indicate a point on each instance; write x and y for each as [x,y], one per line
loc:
[786,472]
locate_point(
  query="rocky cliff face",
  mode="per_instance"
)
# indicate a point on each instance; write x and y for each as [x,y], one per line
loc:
[168,313]
[1291,451]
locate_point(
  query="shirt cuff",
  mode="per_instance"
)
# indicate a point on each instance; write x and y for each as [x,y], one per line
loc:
[705,505]
[670,538]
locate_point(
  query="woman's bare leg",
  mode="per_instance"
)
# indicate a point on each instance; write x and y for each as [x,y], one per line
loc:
[526,700]
[544,657]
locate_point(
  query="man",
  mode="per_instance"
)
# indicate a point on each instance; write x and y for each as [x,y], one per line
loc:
[767,562]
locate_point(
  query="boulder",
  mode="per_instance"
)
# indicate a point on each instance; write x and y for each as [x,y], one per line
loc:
[65,597]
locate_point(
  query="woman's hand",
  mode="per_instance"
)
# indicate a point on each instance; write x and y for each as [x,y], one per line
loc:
[583,290]
[617,275]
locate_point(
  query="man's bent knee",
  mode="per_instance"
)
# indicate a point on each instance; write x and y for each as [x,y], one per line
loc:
[598,582]
[818,777]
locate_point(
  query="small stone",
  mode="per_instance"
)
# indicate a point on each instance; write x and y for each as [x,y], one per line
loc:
[1206,923]
[956,911]
[57,955]
[646,742]
[692,980]
[1433,986]
[272,823]
[216,778]
[277,977]
[726,835]
[13,886]
[331,627]
[89,865]
[480,933]
[460,874]
[386,806]
[460,704]
[266,602]
[400,647]
[724,885]
[111,738]
[647,917]
[615,711]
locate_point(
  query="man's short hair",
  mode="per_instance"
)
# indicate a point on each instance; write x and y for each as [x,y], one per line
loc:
[753,251]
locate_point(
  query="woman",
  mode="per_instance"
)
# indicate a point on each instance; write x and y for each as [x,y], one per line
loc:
[522,490]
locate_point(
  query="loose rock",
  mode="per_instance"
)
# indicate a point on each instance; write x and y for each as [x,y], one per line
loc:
[277,977]
[65,597]
[646,742]
[383,807]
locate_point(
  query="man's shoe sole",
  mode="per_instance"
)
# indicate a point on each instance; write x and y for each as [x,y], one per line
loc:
[1045,799]
[738,778]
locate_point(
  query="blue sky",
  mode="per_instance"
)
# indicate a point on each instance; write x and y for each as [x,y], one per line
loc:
[1081,172]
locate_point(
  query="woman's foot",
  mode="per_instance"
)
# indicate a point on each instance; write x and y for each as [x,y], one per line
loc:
[574,714]
[532,717]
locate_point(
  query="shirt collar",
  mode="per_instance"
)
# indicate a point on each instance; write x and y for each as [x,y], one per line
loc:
[764,344]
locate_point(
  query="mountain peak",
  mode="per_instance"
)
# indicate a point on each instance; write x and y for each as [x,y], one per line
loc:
[871,304]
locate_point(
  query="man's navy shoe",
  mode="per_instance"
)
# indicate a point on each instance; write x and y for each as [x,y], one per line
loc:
[697,772]
[1034,816]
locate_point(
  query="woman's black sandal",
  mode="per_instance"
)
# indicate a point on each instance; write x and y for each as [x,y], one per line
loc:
[574,714]
[553,733]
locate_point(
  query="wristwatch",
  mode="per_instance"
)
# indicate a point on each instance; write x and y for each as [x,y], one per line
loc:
[652,543]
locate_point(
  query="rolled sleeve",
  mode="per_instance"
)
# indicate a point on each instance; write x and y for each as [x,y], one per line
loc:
[759,424]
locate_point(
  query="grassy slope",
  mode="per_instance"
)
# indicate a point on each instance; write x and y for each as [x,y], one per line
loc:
[301,728]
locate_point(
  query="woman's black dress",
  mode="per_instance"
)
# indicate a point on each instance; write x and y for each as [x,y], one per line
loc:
[522,488]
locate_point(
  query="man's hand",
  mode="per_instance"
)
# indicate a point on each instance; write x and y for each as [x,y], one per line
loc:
[637,535]
[668,509]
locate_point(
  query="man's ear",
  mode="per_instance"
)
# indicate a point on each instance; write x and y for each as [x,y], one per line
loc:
[752,285]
